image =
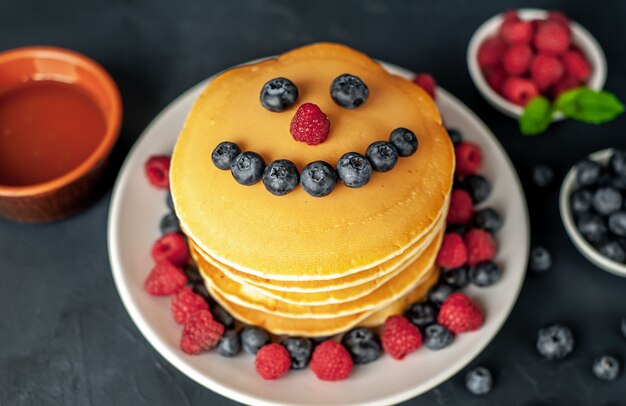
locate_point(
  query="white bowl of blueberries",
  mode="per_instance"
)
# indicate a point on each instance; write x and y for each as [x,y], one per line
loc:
[593,210]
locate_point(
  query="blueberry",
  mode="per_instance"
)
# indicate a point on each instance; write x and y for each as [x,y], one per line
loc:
[193,275]
[422,314]
[382,155]
[222,316]
[592,227]
[580,201]
[488,219]
[247,168]
[543,175]
[588,172]
[169,224]
[354,169]
[201,290]
[440,292]
[169,201]
[540,259]
[617,182]
[623,326]
[455,135]
[478,187]
[437,337]
[485,274]
[280,177]
[606,367]
[479,381]
[613,250]
[607,200]
[348,91]
[253,338]
[318,179]
[617,223]
[362,344]
[404,140]
[457,277]
[617,163]
[457,228]
[278,94]
[555,341]
[318,340]
[230,344]
[300,350]
[224,154]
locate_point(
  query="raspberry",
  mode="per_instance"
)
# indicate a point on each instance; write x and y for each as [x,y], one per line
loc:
[309,124]
[272,361]
[400,337]
[331,361]
[566,83]
[576,65]
[516,31]
[164,280]
[468,158]
[452,253]
[495,77]
[480,246]
[158,171]
[185,304]
[459,314]
[552,38]
[461,207]
[171,248]
[519,90]
[558,17]
[510,15]
[545,70]
[516,59]
[200,333]
[490,52]
[426,82]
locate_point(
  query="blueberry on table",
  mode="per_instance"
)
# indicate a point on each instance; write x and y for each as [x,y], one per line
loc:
[592,227]
[580,201]
[348,91]
[278,94]
[613,250]
[383,156]
[170,224]
[318,179]
[457,277]
[440,292]
[300,350]
[478,187]
[281,177]
[437,337]
[479,381]
[224,154]
[253,338]
[354,169]
[555,341]
[540,259]
[588,172]
[606,367]
[422,314]
[404,140]
[455,135]
[247,168]
[485,274]
[607,200]
[363,345]
[230,344]
[488,219]
[543,175]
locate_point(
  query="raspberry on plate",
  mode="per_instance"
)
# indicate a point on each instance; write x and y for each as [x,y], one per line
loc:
[552,37]
[576,65]
[427,83]
[516,31]
[545,70]
[468,158]
[157,169]
[164,280]
[200,333]
[272,361]
[519,90]
[566,83]
[310,124]
[185,304]
[461,207]
[516,59]
[480,246]
[331,361]
[495,77]
[400,337]
[171,248]
[490,52]
[452,253]
[459,314]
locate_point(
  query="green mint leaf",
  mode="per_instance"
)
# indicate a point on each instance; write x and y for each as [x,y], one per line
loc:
[589,106]
[536,117]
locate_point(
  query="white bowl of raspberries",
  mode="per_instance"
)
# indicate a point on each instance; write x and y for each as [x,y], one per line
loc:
[520,54]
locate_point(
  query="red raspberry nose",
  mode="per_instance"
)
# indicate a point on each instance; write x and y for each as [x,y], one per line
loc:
[310,124]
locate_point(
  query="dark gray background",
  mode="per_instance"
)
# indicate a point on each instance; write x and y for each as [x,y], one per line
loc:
[65,338]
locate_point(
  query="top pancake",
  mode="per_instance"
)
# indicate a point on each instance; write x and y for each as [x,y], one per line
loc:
[296,236]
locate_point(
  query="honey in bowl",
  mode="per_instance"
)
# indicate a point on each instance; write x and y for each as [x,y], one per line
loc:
[47,128]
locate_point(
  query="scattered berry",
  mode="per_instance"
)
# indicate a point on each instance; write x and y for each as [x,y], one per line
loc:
[479,381]
[280,177]
[576,65]
[461,207]
[617,223]
[519,90]
[546,70]
[318,179]
[478,187]
[427,83]
[247,168]
[157,169]
[516,59]
[468,158]
[169,224]
[440,292]
[606,367]
[354,170]
[400,337]
[480,246]
[278,94]
[185,304]
[164,280]
[300,350]
[230,344]
[455,136]
[222,316]
[404,140]
[272,361]
[490,52]
[437,337]
[459,314]
[421,314]
[310,124]
[253,338]
[331,361]
[200,333]
[485,274]
[171,248]
[555,341]
[592,227]
[540,259]
[607,200]
[452,253]
[457,277]
[363,345]
[552,38]
[543,176]
[224,155]
[588,172]
[487,219]
[348,91]
[382,155]
[581,201]
[516,31]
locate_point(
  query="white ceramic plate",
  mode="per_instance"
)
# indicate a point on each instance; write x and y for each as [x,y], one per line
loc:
[136,209]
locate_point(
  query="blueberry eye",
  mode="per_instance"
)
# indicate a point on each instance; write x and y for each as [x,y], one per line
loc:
[278,94]
[349,91]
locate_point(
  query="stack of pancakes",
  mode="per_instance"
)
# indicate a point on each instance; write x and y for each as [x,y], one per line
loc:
[297,264]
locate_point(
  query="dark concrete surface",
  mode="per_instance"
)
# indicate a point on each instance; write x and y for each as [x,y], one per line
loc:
[65,338]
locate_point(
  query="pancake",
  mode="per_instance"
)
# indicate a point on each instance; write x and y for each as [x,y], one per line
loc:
[297,237]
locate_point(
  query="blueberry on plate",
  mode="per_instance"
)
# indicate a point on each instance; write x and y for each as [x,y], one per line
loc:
[485,274]
[348,91]
[555,341]
[478,187]
[318,179]
[362,344]
[169,224]
[613,250]
[354,169]
[455,135]
[422,314]
[488,219]
[592,227]
[437,337]
[543,175]
[479,381]
[193,275]
[169,201]
[222,316]
[382,155]
[247,168]
[588,172]
[278,94]
[580,201]
[253,338]
[540,259]
[230,344]
[607,200]
[460,229]
[280,177]
[440,292]
[606,367]
[617,163]
[404,140]
[457,277]
[300,350]
[224,154]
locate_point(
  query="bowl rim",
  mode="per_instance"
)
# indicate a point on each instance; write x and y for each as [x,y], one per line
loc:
[584,40]
[588,251]
[113,119]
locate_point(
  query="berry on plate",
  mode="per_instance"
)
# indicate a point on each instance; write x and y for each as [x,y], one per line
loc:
[354,170]
[171,248]
[169,224]
[200,333]
[519,90]
[461,207]
[516,60]
[253,338]
[546,70]
[222,316]
[400,337]
[157,169]
[480,246]
[278,94]
[457,277]
[490,52]
[440,292]
[363,345]
[459,314]
[185,304]
[272,361]
[331,361]
[516,31]
[404,140]
[310,125]
[478,187]
[349,91]
[164,280]
[468,158]
[426,82]
[552,38]
[485,274]
[487,219]
[576,65]
[224,155]
[230,344]
[318,179]
[247,169]
[437,337]
[300,350]
[280,177]
[421,314]
[452,253]
[382,155]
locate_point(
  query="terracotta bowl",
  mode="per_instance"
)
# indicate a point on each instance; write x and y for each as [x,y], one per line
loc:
[72,191]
